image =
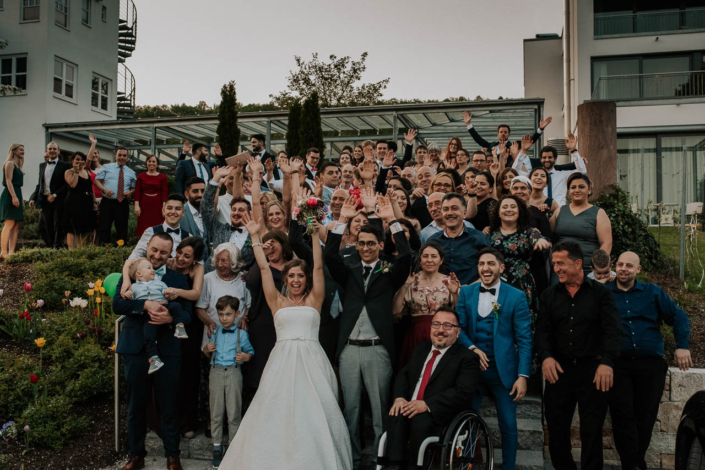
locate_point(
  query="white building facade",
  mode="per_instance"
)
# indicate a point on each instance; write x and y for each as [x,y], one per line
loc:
[64,54]
[649,58]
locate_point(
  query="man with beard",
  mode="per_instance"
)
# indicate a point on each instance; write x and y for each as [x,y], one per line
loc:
[258,148]
[192,221]
[496,325]
[173,212]
[640,371]
[329,176]
[198,166]
[50,195]
[435,202]
[165,381]
[460,243]
[431,389]
[420,195]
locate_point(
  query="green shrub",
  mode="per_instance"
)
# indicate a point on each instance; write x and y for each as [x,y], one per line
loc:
[52,423]
[15,387]
[629,232]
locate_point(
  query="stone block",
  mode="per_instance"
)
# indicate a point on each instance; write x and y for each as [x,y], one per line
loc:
[576,419]
[663,443]
[685,384]
[611,457]
[653,460]
[575,438]
[669,415]
[668,461]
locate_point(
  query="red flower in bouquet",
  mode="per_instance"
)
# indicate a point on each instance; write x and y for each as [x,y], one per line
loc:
[33,378]
[27,287]
[312,202]
[309,209]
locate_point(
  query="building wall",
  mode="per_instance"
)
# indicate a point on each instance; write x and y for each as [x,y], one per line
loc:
[91,49]
[543,78]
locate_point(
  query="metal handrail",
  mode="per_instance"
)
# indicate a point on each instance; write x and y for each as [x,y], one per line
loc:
[641,86]
[649,13]
[117,384]
[651,22]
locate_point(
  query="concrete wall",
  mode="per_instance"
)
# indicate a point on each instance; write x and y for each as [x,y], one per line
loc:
[543,78]
[92,49]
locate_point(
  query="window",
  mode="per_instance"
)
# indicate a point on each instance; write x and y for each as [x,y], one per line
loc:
[64,79]
[104,13]
[647,17]
[30,10]
[100,93]
[86,12]
[13,71]
[62,13]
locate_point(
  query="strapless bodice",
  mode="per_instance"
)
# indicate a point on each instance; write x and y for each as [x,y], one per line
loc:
[297,323]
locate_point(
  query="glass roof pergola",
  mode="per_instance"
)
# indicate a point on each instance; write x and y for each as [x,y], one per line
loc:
[435,122]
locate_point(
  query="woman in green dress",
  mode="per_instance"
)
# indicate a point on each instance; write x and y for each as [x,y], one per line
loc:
[11,203]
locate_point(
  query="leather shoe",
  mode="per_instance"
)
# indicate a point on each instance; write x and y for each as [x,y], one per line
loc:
[173,463]
[135,463]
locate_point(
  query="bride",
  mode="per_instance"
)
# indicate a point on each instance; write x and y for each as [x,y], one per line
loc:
[294,420]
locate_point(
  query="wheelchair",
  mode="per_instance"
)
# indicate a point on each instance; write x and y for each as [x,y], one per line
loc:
[464,444]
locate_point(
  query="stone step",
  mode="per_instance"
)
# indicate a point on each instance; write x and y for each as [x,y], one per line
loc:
[530,433]
[526,459]
[529,407]
[198,448]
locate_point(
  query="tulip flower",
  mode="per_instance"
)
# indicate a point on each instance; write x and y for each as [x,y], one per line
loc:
[27,287]
[21,315]
[97,300]
[96,312]
[67,293]
[33,378]
[102,290]
[63,301]
[120,242]
[98,283]
[40,342]
[40,303]
[90,292]
[112,348]
[91,285]
[28,317]
[26,428]
[87,322]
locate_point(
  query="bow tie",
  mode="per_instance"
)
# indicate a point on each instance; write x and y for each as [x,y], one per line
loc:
[161,271]
[491,290]
[314,169]
[228,330]
[236,229]
[173,230]
[51,162]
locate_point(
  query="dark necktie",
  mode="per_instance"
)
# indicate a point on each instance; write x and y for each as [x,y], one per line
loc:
[236,229]
[368,270]
[173,230]
[52,162]
[491,290]
[228,330]
[550,186]
[427,374]
[121,186]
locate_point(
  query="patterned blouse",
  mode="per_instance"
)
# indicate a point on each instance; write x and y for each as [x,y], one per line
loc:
[424,300]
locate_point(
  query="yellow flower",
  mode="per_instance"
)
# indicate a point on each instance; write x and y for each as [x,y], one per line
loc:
[40,342]
[120,242]
[64,300]
[112,348]
[67,293]
[90,292]
[98,283]
[102,290]
[97,300]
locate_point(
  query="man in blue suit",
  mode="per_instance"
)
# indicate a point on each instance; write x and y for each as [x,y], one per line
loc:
[495,323]
[131,345]
[192,220]
[198,165]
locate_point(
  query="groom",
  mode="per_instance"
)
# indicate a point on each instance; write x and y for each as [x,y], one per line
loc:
[366,334]
[495,323]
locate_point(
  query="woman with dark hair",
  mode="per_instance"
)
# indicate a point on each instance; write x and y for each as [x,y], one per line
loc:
[412,236]
[358,155]
[451,152]
[512,235]
[484,183]
[93,164]
[504,182]
[80,205]
[404,203]
[582,222]
[423,293]
[11,203]
[151,190]
[539,180]
[462,161]
[522,188]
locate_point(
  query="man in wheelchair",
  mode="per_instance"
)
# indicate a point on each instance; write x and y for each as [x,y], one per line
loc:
[431,390]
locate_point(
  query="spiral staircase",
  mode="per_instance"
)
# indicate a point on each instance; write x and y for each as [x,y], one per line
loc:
[127,41]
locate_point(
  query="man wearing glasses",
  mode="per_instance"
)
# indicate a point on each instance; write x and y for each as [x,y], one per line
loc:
[495,323]
[431,389]
[479,160]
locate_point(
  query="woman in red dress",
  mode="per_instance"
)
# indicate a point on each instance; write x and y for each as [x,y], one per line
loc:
[150,195]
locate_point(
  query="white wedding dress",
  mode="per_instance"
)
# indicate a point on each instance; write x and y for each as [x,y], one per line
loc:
[294,421]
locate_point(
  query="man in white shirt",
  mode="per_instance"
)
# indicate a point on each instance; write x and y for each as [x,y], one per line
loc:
[313,157]
[50,195]
[173,212]
[259,151]
[198,165]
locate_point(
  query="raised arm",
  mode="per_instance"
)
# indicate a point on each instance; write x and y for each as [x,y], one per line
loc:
[467,117]
[91,149]
[255,168]
[409,137]
[210,219]
[270,289]
[318,292]
[71,177]
[283,164]
[238,191]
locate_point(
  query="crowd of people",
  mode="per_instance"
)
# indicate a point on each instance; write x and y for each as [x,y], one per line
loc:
[437,276]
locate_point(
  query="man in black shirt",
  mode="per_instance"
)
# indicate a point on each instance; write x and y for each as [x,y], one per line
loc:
[578,339]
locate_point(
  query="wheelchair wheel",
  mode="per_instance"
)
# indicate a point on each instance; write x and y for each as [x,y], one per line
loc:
[467,444]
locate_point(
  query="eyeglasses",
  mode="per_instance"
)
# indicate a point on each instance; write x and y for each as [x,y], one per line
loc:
[479,161]
[368,244]
[443,185]
[446,326]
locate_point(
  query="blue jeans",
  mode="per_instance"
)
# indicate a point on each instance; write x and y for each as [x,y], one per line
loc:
[506,413]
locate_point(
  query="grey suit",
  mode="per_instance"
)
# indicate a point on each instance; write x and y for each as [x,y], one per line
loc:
[218,231]
[189,224]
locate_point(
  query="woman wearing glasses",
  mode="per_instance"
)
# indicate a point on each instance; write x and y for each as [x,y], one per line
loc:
[443,183]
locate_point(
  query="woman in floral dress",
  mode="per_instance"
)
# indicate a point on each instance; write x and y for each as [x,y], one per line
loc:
[511,233]
[423,293]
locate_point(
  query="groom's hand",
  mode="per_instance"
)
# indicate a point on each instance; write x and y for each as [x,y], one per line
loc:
[414,408]
[399,403]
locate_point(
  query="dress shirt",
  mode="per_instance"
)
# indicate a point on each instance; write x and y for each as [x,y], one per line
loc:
[461,252]
[196,214]
[48,173]
[328,219]
[585,326]
[226,346]
[641,309]
[140,250]
[559,178]
[327,195]
[310,168]
[149,290]
[239,237]
[522,164]
[201,169]
[538,131]
[274,183]
[365,265]
[109,174]
[223,208]
[433,369]
[434,228]
[486,299]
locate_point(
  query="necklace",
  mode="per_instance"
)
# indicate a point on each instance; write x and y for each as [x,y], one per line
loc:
[296,303]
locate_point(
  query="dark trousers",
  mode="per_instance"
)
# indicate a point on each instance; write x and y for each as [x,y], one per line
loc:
[402,430]
[574,386]
[53,221]
[113,211]
[190,375]
[634,402]
[139,393]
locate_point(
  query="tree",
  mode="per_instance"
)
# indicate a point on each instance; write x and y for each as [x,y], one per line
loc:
[293,139]
[310,132]
[228,132]
[7,89]
[334,83]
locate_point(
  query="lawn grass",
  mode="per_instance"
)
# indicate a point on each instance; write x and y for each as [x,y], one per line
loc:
[695,260]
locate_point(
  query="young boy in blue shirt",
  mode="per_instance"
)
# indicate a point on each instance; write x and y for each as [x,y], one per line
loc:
[228,349]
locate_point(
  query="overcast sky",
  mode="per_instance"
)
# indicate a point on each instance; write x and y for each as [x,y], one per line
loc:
[430,49]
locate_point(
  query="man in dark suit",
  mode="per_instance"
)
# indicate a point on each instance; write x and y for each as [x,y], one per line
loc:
[258,142]
[431,389]
[366,335]
[313,158]
[50,195]
[192,220]
[419,208]
[165,381]
[198,165]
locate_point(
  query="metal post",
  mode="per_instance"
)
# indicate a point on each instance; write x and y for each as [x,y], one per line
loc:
[395,127]
[154,143]
[268,140]
[681,274]
[643,182]
[117,385]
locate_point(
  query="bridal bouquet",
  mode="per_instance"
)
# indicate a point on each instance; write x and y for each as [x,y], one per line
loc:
[309,209]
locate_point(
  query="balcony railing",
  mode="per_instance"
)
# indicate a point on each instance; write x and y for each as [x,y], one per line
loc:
[650,86]
[656,22]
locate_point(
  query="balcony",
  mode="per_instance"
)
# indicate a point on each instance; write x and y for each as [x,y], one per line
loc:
[650,23]
[650,86]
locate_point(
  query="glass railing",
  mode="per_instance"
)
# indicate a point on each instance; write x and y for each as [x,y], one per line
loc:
[653,22]
[650,86]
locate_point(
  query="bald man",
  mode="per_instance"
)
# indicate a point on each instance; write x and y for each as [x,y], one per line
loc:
[640,371]
[337,200]
[420,195]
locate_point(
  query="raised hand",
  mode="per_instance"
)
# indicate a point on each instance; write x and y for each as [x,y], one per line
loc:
[367,170]
[296,163]
[255,167]
[453,284]
[410,135]
[543,124]
[391,195]
[93,139]
[526,142]
[318,189]
[218,150]
[186,148]
[503,153]
[283,163]
[267,247]
[514,149]
[222,172]
[571,142]
[252,225]
[349,209]
[418,193]
[368,153]
[461,189]
[467,117]
[385,211]
[367,196]
[389,159]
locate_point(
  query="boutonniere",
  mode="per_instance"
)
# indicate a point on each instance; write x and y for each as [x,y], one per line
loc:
[247,243]
[385,267]
[495,308]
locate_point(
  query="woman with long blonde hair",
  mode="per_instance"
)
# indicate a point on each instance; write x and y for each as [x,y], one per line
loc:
[11,203]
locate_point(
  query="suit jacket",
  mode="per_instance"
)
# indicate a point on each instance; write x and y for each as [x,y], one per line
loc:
[512,330]
[189,224]
[380,290]
[57,184]
[451,386]
[218,231]
[186,170]
[131,339]
[266,156]
[419,209]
